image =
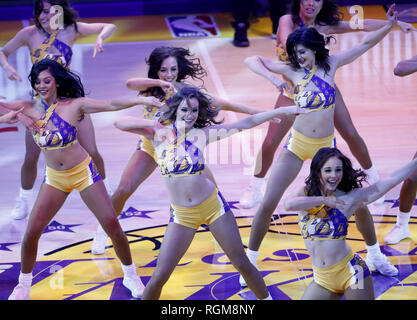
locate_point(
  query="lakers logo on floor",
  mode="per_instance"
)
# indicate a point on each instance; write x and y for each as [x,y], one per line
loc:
[204,273]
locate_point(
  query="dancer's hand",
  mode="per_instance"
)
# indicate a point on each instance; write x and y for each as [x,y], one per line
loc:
[294,110]
[333,202]
[29,123]
[151,101]
[406,27]
[12,74]
[167,87]
[11,117]
[300,110]
[279,83]
[392,15]
[98,47]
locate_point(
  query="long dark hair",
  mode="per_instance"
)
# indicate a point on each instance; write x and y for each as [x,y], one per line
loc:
[206,112]
[311,39]
[187,66]
[70,15]
[351,179]
[328,15]
[68,83]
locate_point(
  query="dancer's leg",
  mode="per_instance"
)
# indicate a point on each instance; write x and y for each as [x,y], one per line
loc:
[276,132]
[177,240]
[28,175]
[408,192]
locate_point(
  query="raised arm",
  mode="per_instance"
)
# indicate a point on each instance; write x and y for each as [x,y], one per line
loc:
[19,40]
[267,68]
[347,56]
[87,105]
[406,67]
[104,31]
[369,194]
[369,25]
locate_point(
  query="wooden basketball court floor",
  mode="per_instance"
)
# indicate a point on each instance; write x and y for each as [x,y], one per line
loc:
[383,109]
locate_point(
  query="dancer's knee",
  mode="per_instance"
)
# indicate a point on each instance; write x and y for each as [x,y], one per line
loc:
[112,227]
[125,189]
[267,208]
[349,133]
[240,263]
[270,145]
[32,235]
[160,277]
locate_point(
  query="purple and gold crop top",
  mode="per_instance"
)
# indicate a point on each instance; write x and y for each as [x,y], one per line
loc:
[316,100]
[63,137]
[42,52]
[181,157]
[322,223]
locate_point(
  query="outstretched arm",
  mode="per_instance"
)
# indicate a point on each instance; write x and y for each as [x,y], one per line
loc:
[406,67]
[104,31]
[142,84]
[24,113]
[11,116]
[369,25]
[6,107]
[223,104]
[136,125]
[347,56]
[87,105]
[24,106]
[369,194]
[222,131]
[300,201]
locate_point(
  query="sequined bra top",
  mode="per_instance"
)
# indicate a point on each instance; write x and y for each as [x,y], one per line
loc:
[42,52]
[322,99]
[63,137]
[323,223]
[180,158]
